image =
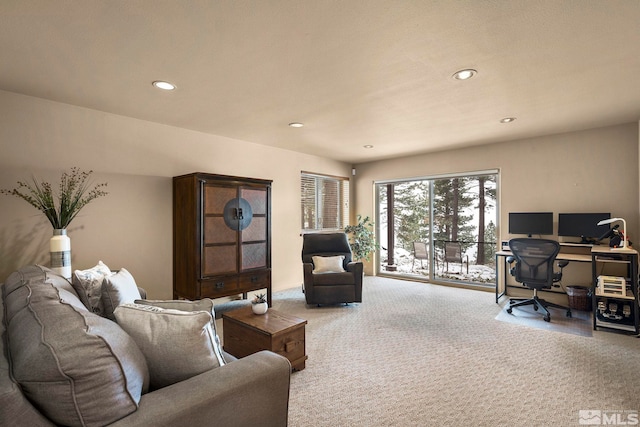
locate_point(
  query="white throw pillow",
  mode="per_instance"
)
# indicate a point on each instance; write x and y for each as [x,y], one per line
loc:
[119,288]
[328,264]
[176,344]
[88,286]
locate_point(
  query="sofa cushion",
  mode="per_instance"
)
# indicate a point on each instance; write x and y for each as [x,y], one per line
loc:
[88,286]
[119,288]
[77,368]
[328,264]
[177,344]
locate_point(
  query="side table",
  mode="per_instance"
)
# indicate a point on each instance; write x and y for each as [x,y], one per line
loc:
[245,333]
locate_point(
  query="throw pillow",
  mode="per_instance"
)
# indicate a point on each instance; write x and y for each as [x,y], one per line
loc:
[205,304]
[117,289]
[328,264]
[177,344]
[88,286]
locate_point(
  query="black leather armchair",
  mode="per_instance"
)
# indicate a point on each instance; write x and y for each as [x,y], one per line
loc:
[330,287]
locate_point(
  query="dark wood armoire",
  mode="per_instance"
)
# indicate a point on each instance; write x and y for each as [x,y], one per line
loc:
[221,236]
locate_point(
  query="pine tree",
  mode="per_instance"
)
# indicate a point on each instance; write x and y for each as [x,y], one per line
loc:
[411,213]
[486,199]
[451,199]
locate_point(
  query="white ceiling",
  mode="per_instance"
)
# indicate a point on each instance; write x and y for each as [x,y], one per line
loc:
[355,72]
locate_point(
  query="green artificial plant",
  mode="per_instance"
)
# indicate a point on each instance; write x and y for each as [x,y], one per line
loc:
[362,238]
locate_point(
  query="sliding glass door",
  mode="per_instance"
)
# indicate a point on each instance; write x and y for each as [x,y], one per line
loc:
[439,228]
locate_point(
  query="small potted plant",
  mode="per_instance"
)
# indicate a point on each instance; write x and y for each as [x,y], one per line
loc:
[259,304]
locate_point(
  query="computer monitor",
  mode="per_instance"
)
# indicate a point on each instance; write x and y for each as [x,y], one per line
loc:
[531,223]
[583,225]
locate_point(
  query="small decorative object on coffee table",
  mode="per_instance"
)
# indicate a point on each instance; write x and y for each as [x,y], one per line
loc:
[259,304]
[245,333]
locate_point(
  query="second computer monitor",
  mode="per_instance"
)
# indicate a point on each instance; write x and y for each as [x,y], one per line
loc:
[531,223]
[584,225]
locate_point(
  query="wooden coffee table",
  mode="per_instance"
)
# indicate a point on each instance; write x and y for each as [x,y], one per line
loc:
[245,333]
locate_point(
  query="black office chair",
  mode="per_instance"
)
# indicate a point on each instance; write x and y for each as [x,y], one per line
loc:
[534,260]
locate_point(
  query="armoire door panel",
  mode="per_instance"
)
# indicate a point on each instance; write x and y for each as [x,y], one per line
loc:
[256,198]
[216,231]
[257,230]
[216,197]
[254,255]
[219,260]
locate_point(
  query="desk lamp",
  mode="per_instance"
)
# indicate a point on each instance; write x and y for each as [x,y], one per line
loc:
[624,231]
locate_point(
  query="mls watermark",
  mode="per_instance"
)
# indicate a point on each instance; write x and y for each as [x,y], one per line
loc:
[597,417]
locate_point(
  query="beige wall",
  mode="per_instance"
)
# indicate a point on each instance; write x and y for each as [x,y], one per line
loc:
[131,227]
[587,171]
[595,170]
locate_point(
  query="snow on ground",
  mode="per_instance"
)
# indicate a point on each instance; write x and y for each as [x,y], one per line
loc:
[477,273]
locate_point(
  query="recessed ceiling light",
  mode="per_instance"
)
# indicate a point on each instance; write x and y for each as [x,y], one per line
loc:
[507,120]
[164,85]
[464,74]
[296,125]
[368,146]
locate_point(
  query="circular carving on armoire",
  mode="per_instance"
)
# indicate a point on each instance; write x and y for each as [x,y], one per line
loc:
[238,214]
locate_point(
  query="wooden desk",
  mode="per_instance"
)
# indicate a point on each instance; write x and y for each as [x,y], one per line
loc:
[568,252]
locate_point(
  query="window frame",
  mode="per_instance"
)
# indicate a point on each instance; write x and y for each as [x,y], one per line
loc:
[319,203]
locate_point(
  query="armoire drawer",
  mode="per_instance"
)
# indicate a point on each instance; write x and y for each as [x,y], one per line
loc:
[258,279]
[216,287]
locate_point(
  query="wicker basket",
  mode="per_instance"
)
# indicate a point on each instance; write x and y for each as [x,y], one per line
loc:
[579,298]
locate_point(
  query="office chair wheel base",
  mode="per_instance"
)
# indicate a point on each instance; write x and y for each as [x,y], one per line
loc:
[568,313]
[509,310]
[535,307]
[547,318]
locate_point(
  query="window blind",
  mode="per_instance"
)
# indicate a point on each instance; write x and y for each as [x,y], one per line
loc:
[324,201]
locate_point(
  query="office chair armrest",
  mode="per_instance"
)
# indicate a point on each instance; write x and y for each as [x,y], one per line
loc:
[511,259]
[563,264]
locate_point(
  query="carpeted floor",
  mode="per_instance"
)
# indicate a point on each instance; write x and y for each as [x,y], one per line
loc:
[416,354]
[580,322]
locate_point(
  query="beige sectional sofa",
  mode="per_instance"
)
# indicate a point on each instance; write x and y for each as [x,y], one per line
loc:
[62,364]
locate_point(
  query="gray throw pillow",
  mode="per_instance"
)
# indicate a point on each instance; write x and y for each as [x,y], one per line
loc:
[176,344]
[119,288]
[88,286]
[204,304]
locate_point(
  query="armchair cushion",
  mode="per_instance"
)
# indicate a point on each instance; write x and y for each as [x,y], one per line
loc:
[168,338]
[339,279]
[328,264]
